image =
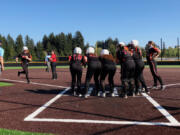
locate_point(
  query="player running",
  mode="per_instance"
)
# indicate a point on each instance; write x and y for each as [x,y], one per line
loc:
[108,68]
[152,52]
[94,69]
[25,57]
[124,56]
[76,62]
[137,55]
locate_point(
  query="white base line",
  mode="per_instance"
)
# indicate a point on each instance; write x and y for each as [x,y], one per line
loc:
[173,121]
[160,109]
[104,122]
[42,108]
[42,84]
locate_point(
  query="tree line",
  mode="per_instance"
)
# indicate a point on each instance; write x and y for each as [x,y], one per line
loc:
[63,45]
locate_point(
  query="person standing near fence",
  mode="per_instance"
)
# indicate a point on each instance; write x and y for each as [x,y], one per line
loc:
[1,58]
[53,61]
[152,52]
[25,57]
[47,62]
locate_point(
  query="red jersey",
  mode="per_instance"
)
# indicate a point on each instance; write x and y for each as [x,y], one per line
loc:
[53,58]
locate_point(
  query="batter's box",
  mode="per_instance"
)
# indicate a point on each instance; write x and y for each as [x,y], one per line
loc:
[168,116]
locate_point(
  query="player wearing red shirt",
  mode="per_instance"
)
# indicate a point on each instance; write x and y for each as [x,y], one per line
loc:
[53,61]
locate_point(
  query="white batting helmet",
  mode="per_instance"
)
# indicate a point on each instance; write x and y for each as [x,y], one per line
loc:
[135,42]
[25,48]
[77,50]
[90,50]
[104,52]
[121,44]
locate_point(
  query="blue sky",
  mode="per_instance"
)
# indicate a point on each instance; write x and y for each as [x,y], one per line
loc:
[97,19]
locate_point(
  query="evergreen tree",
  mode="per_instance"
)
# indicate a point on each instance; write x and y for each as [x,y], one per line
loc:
[112,49]
[19,44]
[49,47]
[30,44]
[39,51]
[69,42]
[45,42]
[78,40]
[52,41]
[10,52]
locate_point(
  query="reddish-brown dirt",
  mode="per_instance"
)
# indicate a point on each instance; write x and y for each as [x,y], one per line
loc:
[21,99]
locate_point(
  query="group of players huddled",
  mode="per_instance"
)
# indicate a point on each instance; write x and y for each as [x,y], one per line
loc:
[128,56]
[132,66]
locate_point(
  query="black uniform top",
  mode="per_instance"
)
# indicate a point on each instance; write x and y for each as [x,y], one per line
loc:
[92,58]
[76,59]
[137,54]
[150,52]
[22,57]
[124,55]
[93,61]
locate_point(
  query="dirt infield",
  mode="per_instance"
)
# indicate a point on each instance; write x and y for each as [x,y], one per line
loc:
[67,115]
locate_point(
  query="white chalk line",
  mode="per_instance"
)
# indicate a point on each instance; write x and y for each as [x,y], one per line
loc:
[172,120]
[42,84]
[160,109]
[168,116]
[103,122]
[42,108]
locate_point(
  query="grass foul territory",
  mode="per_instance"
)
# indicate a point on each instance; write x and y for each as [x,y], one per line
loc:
[3,84]
[15,132]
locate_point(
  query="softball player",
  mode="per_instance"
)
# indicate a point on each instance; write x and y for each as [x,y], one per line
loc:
[76,62]
[108,68]
[124,56]
[152,53]
[118,55]
[25,57]
[94,69]
[137,55]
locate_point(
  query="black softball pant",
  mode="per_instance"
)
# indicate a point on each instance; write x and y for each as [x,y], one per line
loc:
[53,69]
[109,70]
[25,70]
[76,74]
[139,78]
[156,76]
[128,73]
[93,69]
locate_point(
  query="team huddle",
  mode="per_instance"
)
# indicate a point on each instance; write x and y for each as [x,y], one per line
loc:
[128,56]
[132,66]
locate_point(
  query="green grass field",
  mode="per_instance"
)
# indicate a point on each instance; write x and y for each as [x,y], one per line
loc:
[15,132]
[43,67]
[3,84]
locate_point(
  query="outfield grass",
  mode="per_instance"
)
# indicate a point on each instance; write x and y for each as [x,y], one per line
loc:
[3,84]
[15,132]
